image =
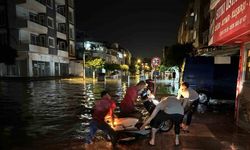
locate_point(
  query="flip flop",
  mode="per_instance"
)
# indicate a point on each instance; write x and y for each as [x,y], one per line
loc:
[151,144]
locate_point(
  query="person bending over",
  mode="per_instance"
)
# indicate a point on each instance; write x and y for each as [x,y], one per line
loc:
[190,101]
[169,108]
[127,105]
[102,108]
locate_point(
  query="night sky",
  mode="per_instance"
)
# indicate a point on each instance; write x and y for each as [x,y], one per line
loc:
[142,26]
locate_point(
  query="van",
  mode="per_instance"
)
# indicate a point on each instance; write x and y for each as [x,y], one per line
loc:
[214,78]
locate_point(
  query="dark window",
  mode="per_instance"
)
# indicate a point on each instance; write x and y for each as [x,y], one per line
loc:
[33,17]
[71,49]
[41,19]
[33,39]
[41,68]
[61,27]
[50,22]
[50,3]
[42,40]
[51,42]
[61,9]
[2,16]
[3,38]
[71,16]
[62,45]
[71,33]
[71,3]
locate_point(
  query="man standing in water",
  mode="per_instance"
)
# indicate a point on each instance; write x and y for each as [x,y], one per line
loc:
[128,103]
[103,107]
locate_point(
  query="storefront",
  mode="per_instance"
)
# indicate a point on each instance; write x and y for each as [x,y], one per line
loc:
[230,25]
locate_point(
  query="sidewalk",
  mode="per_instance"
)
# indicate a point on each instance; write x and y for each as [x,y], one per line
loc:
[210,131]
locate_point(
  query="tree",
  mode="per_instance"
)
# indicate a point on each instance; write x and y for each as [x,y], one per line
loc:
[163,68]
[124,68]
[94,63]
[112,67]
[177,53]
[132,69]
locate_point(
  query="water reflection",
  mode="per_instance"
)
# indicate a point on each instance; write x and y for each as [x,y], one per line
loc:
[51,112]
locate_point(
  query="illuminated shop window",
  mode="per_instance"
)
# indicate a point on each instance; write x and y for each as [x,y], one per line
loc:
[248,66]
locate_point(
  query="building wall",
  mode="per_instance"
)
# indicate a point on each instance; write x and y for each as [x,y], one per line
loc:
[195,24]
[76,68]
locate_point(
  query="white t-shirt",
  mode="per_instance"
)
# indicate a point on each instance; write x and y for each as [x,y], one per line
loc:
[171,105]
[190,94]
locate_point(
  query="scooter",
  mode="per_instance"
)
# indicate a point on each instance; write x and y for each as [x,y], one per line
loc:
[128,128]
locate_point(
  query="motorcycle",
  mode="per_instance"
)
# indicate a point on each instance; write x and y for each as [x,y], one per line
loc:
[128,128]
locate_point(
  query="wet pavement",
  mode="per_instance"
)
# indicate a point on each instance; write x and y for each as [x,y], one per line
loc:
[51,115]
[209,131]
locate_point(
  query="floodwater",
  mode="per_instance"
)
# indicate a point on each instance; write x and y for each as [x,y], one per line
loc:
[37,114]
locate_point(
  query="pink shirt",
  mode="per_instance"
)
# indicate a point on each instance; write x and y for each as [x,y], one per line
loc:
[127,104]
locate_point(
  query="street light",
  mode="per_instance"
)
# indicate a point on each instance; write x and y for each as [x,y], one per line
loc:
[138,61]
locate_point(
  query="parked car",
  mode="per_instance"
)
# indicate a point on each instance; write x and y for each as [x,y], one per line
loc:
[214,78]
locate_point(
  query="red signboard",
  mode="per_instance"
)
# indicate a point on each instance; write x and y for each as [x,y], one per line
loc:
[231,22]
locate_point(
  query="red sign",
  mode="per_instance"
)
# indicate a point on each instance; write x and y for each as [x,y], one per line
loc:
[156,61]
[231,22]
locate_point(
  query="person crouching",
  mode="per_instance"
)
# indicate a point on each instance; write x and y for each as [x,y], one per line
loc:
[103,107]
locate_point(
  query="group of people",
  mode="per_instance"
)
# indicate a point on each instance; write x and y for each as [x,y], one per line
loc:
[170,107]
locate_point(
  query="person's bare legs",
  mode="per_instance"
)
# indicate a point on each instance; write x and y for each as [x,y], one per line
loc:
[177,141]
[152,140]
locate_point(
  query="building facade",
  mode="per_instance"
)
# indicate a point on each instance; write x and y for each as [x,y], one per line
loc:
[230,25]
[43,33]
[111,53]
[194,27]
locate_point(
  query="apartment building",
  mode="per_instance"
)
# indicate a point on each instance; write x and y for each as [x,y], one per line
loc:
[43,33]
[111,53]
[194,27]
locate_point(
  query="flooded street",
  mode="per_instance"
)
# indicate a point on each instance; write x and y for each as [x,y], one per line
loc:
[42,113]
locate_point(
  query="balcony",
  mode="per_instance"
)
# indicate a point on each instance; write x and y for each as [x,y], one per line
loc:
[32,48]
[63,53]
[60,2]
[31,26]
[38,49]
[60,18]
[61,35]
[32,5]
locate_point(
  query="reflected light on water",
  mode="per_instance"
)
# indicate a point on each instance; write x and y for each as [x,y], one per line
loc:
[51,112]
